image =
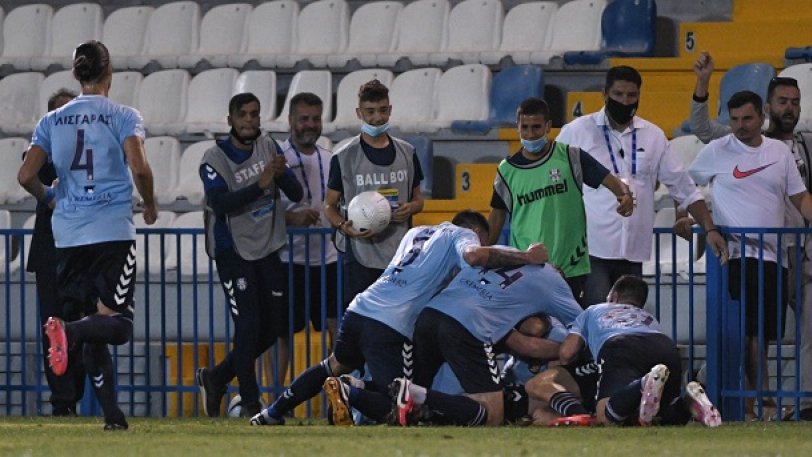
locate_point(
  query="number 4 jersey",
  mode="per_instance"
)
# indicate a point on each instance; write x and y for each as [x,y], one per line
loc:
[84,140]
[426,259]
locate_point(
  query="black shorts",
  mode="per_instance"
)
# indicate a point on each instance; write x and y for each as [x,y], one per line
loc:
[439,338]
[626,358]
[770,322]
[586,375]
[308,279]
[101,271]
[387,353]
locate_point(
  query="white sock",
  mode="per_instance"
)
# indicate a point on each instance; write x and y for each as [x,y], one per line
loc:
[418,394]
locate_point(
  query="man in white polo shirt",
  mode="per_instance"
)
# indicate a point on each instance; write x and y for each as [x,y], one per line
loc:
[752,177]
[637,152]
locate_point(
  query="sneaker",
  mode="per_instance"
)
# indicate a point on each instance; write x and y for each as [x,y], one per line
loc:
[700,405]
[58,352]
[114,426]
[212,394]
[338,394]
[577,420]
[652,392]
[402,403]
[264,418]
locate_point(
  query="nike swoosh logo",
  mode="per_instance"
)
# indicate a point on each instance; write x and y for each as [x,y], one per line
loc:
[738,174]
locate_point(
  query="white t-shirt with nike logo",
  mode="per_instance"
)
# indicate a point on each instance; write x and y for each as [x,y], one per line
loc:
[749,187]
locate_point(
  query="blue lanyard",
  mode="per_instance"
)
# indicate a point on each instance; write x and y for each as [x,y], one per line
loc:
[612,154]
[304,173]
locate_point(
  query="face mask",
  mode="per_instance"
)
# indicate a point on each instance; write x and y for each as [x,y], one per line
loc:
[534,146]
[619,112]
[375,130]
[244,140]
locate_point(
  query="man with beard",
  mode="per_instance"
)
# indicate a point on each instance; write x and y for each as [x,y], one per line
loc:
[243,175]
[783,107]
[637,152]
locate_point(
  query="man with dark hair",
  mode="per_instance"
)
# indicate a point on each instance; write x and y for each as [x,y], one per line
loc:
[638,153]
[244,175]
[783,108]
[753,179]
[541,188]
[373,160]
[377,328]
[639,366]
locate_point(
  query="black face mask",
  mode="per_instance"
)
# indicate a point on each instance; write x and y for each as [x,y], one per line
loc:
[619,112]
[244,140]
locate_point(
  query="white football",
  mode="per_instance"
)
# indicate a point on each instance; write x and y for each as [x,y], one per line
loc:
[235,406]
[369,211]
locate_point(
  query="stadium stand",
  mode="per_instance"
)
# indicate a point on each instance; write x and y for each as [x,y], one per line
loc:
[219,36]
[323,29]
[627,29]
[420,31]
[319,82]
[124,32]
[26,34]
[755,77]
[425,154]
[189,185]
[463,92]
[576,27]
[372,30]
[412,95]
[802,73]
[19,102]
[162,100]
[172,31]
[270,32]
[347,96]
[11,152]
[163,154]
[52,83]
[149,257]
[207,103]
[261,83]
[195,263]
[125,86]
[70,25]
[527,28]
[5,255]
[474,26]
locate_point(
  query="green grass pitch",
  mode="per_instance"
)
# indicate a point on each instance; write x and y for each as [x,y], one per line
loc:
[43,436]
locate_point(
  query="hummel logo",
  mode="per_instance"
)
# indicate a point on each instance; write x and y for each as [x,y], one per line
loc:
[98,381]
[738,174]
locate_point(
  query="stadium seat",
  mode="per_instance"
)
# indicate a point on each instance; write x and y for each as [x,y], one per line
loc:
[420,31]
[474,26]
[509,88]
[755,77]
[463,93]
[319,82]
[125,86]
[804,54]
[685,148]
[5,223]
[26,34]
[576,27]
[323,28]
[192,248]
[19,102]
[424,148]
[172,31]
[25,250]
[220,36]
[150,258]
[413,99]
[162,99]
[627,29]
[123,34]
[190,187]
[324,143]
[270,32]
[71,25]
[261,83]
[11,154]
[527,28]
[665,218]
[347,96]
[163,155]
[207,102]
[50,85]
[802,73]
[372,29]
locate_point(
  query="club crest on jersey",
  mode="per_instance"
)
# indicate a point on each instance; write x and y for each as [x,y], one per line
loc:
[555,175]
[242,284]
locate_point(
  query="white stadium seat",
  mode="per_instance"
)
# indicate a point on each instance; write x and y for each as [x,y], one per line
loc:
[123,34]
[162,99]
[11,156]
[190,245]
[261,83]
[2,18]
[420,31]
[220,35]
[152,252]
[5,223]
[190,187]
[26,34]
[26,250]
[163,155]
[207,102]
[685,148]
[271,32]
[324,143]
[71,25]
[347,95]
[412,96]
[54,82]
[125,86]
[576,27]
[323,28]
[473,26]
[19,102]
[527,28]
[172,31]
[318,82]
[463,93]
[372,29]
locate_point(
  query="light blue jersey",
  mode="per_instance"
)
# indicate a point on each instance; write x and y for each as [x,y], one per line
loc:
[84,139]
[426,259]
[490,302]
[600,323]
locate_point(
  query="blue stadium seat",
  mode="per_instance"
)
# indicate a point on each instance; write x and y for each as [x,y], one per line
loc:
[425,154]
[510,86]
[755,77]
[627,29]
[804,54]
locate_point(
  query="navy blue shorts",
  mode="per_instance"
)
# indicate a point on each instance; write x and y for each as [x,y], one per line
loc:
[386,352]
[586,375]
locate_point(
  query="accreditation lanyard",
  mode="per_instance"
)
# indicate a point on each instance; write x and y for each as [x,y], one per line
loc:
[304,173]
[612,154]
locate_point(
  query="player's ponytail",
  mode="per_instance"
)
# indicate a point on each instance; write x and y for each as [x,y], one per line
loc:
[90,62]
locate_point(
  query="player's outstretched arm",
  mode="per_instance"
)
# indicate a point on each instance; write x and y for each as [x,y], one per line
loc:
[532,347]
[503,256]
[142,176]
